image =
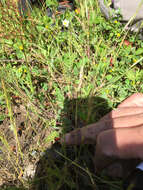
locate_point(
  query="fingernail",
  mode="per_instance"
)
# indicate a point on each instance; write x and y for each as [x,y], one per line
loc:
[65,139]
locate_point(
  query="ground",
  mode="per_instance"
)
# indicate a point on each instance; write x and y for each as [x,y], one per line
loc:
[56,74]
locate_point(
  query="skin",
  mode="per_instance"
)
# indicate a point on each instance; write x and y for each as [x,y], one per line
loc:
[117,136]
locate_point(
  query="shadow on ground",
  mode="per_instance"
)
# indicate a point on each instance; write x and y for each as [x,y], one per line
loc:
[65,168]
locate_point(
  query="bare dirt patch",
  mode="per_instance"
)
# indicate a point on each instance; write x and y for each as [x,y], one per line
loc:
[31,134]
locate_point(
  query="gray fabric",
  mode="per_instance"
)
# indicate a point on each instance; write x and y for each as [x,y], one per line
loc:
[127,8]
[130,10]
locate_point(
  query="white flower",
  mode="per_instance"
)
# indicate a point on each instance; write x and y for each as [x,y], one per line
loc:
[66,23]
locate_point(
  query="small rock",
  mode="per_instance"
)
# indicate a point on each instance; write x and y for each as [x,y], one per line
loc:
[33,153]
[29,171]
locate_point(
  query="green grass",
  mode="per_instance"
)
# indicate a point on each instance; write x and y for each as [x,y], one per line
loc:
[43,66]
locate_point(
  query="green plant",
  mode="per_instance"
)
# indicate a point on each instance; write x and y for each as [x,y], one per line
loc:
[43,64]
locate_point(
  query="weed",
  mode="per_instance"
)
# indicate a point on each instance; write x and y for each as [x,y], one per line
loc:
[42,64]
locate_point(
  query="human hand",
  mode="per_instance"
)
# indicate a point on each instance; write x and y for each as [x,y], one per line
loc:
[117,135]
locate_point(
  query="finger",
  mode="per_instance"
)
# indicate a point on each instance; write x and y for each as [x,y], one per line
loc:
[134,100]
[118,143]
[89,133]
[123,111]
[122,122]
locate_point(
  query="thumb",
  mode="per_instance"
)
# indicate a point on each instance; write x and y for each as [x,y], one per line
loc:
[87,134]
[120,143]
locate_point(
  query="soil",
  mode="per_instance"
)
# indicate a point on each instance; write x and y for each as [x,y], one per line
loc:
[31,134]
[34,165]
[42,164]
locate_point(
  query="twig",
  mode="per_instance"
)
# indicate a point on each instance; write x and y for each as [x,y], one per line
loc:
[12,60]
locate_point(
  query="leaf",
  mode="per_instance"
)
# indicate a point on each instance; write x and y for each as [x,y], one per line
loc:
[52,136]
[9,42]
[40,28]
[131,75]
[2,117]
[109,77]
[20,54]
[51,3]
[139,51]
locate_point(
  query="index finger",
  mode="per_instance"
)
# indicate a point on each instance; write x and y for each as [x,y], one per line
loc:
[118,143]
[89,133]
[80,135]
[135,100]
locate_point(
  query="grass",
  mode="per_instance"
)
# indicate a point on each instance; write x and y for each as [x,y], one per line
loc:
[50,75]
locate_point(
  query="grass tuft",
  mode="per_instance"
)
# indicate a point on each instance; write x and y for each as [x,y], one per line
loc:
[50,75]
